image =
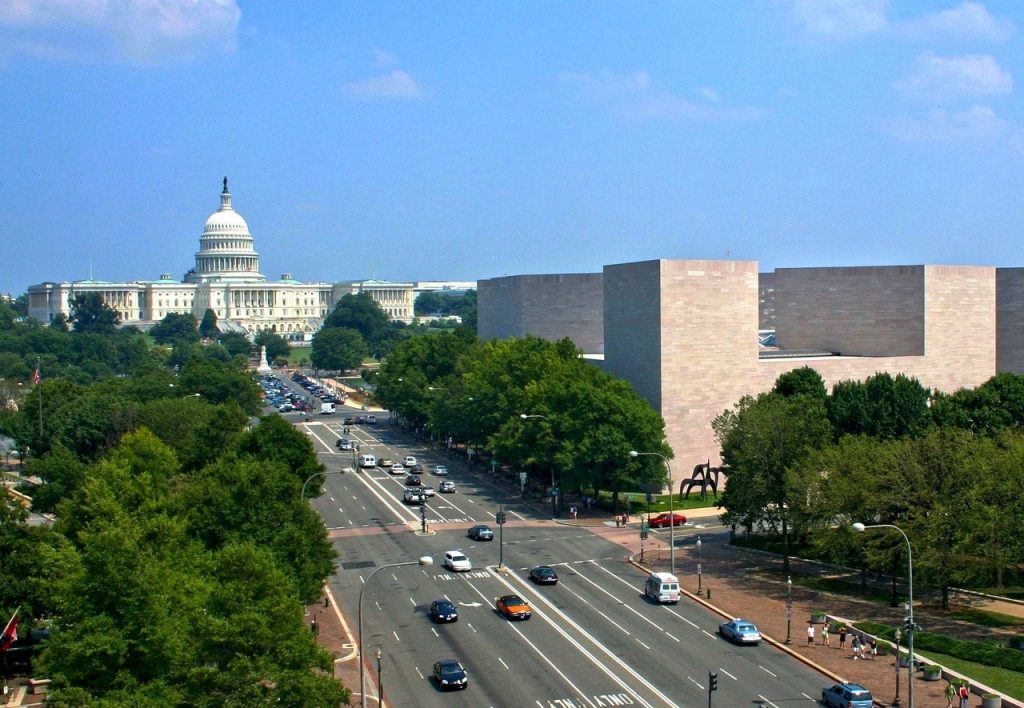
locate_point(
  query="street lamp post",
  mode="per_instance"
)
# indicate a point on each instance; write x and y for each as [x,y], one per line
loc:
[699,585]
[860,528]
[380,680]
[671,509]
[424,560]
[554,489]
[789,609]
[313,476]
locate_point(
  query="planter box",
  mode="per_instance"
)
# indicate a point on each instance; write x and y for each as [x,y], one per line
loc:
[903,660]
[932,675]
[818,617]
[990,701]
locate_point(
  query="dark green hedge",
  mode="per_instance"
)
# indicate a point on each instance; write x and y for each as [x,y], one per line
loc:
[987,653]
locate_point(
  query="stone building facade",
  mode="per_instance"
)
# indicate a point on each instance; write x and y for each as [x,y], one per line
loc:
[684,332]
[226,278]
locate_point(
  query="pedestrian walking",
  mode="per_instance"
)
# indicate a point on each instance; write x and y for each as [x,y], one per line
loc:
[824,635]
[856,647]
[874,648]
[842,638]
[965,696]
[618,521]
[810,635]
[572,512]
[950,694]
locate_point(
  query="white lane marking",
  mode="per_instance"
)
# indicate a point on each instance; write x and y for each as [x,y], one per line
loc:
[709,634]
[690,678]
[767,671]
[730,675]
[643,645]
[808,697]
[413,602]
[767,701]
[568,589]
[434,630]
[621,602]
[599,646]
[673,637]
[387,502]
[503,663]
[418,672]
[628,584]
[544,656]
[396,636]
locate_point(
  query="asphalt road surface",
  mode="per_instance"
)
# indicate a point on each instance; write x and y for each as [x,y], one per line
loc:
[593,640]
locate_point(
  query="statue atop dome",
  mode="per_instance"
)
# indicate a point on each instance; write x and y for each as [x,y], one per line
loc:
[225,184]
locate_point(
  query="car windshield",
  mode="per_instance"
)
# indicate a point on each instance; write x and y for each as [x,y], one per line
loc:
[458,558]
[450,669]
[747,628]
[514,600]
[860,695]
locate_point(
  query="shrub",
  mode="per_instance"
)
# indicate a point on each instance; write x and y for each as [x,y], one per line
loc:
[987,653]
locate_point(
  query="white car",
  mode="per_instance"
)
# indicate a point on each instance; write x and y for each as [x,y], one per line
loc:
[427,491]
[409,461]
[397,469]
[457,561]
[441,470]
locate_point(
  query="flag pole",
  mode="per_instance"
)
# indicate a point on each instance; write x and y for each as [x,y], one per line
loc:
[38,380]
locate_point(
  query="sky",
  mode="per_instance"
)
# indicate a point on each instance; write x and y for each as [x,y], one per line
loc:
[417,141]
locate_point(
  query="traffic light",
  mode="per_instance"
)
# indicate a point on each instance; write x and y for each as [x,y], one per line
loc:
[908,623]
[500,518]
[712,681]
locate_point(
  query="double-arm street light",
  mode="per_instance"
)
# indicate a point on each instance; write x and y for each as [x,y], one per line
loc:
[860,528]
[424,560]
[554,489]
[671,509]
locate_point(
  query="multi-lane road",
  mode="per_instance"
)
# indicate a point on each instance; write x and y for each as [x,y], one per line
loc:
[594,640]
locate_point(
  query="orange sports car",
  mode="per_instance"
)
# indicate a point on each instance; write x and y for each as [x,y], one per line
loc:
[513,607]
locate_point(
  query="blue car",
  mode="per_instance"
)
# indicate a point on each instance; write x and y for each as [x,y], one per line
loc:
[740,631]
[847,695]
[443,611]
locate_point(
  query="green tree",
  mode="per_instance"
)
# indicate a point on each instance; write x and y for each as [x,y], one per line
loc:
[338,349]
[236,343]
[361,313]
[762,440]
[221,381]
[208,327]
[428,302]
[804,381]
[90,314]
[175,327]
[196,430]
[882,405]
[277,347]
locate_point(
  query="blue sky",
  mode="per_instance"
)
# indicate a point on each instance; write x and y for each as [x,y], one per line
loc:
[440,140]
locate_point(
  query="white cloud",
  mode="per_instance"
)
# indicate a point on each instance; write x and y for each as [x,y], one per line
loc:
[968,19]
[636,95]
[840,19]
[383,59]
[395,84]
[935,78]
[940,125]
[136,31]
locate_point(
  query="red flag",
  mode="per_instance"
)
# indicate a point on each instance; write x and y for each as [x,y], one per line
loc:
[10,634]
[35,376]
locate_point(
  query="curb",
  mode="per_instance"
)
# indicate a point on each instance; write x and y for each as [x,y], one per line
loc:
[722,613]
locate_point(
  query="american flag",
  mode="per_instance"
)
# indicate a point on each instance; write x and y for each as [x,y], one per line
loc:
[36,378]
[10,633]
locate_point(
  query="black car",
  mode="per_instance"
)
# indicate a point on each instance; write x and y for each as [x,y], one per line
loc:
[544,575]
[443,611]
[360,420]
[481,532]
[349,421]
[413,481]
[449,674]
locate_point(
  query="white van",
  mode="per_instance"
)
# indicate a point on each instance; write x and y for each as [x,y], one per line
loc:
[662,587]
[367,461]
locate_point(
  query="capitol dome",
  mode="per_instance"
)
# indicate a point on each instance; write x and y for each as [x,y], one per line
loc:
[226,247]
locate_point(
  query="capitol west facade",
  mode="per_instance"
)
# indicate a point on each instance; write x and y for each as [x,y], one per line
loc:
[226,278]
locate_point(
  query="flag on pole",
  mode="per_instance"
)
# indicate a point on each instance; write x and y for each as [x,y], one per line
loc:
[10,634]
[35,375]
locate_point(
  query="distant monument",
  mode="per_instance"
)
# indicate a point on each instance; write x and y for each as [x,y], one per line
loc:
[264,367]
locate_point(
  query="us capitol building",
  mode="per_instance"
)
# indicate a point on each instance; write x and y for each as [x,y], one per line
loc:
[227,279]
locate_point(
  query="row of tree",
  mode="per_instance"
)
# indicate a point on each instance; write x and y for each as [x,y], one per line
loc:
[804,464]
[580,424]
[181,555]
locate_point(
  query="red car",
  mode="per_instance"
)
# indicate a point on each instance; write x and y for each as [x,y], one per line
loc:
[663,521]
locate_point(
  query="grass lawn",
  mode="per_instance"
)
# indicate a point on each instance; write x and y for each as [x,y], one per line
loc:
[1010,683]
[659,504]
[298,356]
[987,619]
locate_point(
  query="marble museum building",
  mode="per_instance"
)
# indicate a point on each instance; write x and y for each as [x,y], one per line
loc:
[226,278]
